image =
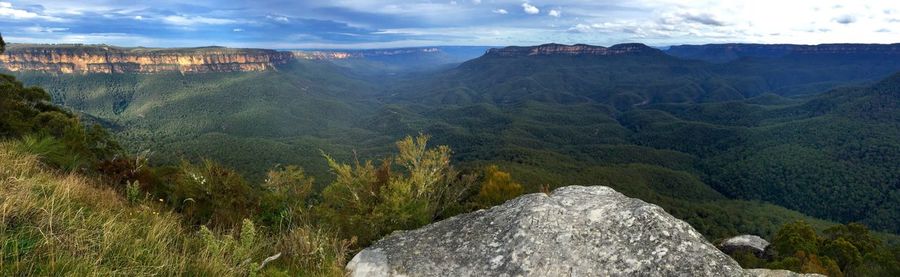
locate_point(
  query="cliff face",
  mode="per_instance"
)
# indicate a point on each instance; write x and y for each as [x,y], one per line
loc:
[83,59]
[573,50]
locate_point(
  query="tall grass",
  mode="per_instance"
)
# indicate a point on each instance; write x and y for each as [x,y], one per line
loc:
[64,224]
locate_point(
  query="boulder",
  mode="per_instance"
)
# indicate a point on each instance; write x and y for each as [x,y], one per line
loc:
[749,243]
[575,231]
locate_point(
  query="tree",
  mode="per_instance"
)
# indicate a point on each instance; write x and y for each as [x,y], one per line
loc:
[795,237]
[2,44]
[843,252]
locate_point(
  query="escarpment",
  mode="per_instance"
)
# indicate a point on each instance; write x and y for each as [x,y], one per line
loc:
[82,59]
[573,50]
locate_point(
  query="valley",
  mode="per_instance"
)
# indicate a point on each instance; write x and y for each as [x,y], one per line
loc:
[722,144]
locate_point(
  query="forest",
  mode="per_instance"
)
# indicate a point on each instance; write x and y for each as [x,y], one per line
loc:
[315,161]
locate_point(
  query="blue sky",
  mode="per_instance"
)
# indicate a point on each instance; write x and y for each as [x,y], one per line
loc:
[384,23]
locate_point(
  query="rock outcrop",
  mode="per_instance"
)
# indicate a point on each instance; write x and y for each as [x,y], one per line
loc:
[575,231]
[749,243]
[109,59]
[573,50]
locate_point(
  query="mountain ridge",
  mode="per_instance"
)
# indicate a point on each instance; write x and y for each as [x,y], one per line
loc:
[552,49]
[727,52]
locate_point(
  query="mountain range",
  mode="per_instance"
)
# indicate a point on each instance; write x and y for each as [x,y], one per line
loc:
[732,138]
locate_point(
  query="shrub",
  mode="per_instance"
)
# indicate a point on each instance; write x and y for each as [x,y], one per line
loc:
[287,190]
[211,194]
[368,202]
[496,188]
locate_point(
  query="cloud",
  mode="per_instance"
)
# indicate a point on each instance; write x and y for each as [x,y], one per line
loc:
[279,18]
[500,11]
[237,30]
[195,20]
[554,13]
[7,10]
[39,29]
[702,18]
[845,19]
[530,9]
[138,17]
[476,2]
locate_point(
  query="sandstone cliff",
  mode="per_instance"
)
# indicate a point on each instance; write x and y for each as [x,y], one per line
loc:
[575,231]
[573,50]
[109,59]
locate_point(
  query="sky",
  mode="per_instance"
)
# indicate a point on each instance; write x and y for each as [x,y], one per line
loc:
[385,24]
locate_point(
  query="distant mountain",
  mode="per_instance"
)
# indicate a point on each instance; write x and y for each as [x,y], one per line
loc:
[721,53]
[396,59]
[573,50]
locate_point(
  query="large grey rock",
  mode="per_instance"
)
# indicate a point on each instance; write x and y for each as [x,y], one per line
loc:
[575,231]
[751,243]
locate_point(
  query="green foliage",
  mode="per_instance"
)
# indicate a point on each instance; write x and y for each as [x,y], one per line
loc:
[133,192]
[49,131]
[287,191]
[496,188]
[209,193]
[366,202]
[236,256]
[795,237]
[845,250]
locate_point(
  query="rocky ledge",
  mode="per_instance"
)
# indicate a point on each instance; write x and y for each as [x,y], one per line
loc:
[573,50]
[61,58]
[575,231]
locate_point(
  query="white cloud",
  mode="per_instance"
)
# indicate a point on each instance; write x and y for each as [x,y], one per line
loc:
[39,29]
[7,10]
[237,30]
[279,18]
[138,17]
[500,11]
[195,20]
[554,13]
[530,9]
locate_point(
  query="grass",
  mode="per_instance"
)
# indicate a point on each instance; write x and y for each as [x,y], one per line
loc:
[64,224]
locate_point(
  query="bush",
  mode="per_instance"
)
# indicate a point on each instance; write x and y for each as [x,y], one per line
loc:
[287,190]
[496,188]
[366,202]
[211,194]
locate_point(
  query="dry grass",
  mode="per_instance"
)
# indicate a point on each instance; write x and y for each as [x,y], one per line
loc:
[54,224]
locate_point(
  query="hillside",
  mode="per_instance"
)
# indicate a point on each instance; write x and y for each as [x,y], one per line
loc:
[560,118]
[73,202]
[683,134]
